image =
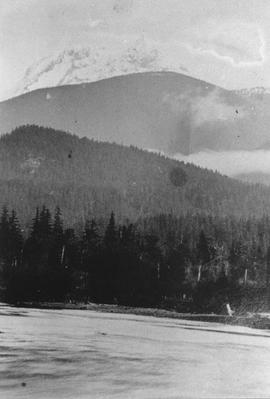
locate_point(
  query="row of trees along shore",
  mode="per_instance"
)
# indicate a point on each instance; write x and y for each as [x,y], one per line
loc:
[189,263]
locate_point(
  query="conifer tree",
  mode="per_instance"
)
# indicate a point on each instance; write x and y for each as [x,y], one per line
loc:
[203,250]
[35,224]
[111,236]
[57,224]
[10,240]
[91,236]
[45,225]
[89,245]
[16,239]
[268,275]
[57,247]
[4,235]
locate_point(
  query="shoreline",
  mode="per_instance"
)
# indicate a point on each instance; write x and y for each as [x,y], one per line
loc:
[255,320]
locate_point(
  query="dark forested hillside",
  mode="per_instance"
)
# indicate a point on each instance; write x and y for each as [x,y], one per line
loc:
[190,263]
[89,179]
[194,239]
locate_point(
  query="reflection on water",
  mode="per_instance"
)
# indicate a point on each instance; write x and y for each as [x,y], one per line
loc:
[84,354]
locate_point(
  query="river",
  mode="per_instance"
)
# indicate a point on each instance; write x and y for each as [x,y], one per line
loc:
[86,354]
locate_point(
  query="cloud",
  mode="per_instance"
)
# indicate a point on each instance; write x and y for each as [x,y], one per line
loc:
[94,23]
[203,108]
[212,108]
[239,43]
[230,162]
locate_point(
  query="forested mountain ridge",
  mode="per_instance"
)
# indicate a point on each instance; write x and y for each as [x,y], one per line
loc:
[87,178]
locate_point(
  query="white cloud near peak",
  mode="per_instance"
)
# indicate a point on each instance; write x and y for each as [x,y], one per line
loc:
[204,109]
[239,43]
[230,162]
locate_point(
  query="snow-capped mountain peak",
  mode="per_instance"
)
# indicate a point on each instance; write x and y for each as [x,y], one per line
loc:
[89,64]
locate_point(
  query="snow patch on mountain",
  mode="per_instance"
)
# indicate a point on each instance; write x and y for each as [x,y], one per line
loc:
[255,91]
[31,164]
[89,64]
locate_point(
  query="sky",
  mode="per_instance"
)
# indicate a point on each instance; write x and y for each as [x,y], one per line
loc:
[226,42]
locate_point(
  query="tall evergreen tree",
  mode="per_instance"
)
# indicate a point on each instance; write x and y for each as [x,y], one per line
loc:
[268,275]
[35,225]
[16,239]
[111,234]
[57,224]
[203,250]
[57,247]
[10,240]
[4,235]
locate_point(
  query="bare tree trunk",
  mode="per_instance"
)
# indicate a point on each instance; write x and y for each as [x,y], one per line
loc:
[268,281]
[199,273]
[62,254]
[245,277]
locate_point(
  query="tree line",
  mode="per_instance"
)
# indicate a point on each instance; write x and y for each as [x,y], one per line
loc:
[189,263]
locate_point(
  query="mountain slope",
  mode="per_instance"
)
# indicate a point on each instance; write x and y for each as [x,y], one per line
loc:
[86,178]
[162,111]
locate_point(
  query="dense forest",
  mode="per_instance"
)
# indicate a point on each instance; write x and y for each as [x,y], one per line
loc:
[180,236]
[88,179]
[188,263]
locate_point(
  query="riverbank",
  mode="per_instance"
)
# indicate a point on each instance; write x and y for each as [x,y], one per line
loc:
[253,320]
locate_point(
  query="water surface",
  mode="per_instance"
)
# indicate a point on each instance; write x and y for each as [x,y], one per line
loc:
[85,354]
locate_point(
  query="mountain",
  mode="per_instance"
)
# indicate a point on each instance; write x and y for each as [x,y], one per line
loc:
[161,111]
[89,64]
[88,178]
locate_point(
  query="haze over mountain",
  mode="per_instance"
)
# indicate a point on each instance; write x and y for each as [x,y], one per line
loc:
[161,111]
